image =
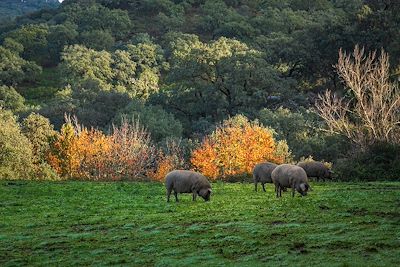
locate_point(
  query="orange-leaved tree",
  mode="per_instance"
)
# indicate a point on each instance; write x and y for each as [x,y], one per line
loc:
[234,148]
[94,150]
[89,154]
[80,153]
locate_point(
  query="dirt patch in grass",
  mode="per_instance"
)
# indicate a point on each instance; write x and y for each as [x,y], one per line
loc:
[387,214]
[324,207]
[277,222]
[298,247]
[338,244]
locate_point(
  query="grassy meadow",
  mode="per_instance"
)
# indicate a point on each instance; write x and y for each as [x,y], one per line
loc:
[123,223]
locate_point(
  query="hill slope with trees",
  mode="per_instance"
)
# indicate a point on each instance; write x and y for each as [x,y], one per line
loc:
[182,67]
[12,8]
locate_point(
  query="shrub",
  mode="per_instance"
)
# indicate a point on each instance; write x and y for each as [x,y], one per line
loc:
[63,156]
[235,147]
[15,149]
[40,133]
[170,157]
[380,162]
[283,152]
[304,132]
[89,154]
[94,149]
[132,151]
[44,171]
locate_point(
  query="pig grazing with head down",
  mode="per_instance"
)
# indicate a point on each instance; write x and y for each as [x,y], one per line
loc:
[316,169]
[182,181]
[290,176]
[262,174]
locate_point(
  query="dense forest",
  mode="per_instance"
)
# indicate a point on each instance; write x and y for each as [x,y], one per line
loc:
[183,67]
[13,8]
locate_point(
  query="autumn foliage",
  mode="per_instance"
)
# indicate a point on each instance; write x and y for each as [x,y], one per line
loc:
[234,148]
[82,153]
[126,153]
[168,158]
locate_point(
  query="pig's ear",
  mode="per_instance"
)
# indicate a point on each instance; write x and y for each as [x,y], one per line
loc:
[303,187]
[209,190]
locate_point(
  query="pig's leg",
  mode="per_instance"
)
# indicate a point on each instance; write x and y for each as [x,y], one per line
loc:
[168,193]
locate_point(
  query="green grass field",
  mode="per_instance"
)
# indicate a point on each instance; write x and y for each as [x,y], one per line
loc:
[88,223]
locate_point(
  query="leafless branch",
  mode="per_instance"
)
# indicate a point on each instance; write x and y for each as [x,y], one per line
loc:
[372,113]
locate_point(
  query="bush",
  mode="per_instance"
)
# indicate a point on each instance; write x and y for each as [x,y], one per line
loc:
[15,149]
[303,132]
[89,154]
[132,151]
[63,152]
[169,157]
[380,162]
[45,172]
[235,147]
[40,133]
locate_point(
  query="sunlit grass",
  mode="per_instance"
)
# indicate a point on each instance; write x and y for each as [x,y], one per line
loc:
[82,223]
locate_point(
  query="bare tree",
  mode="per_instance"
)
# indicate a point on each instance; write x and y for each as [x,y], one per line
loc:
[132,151]
[372,111]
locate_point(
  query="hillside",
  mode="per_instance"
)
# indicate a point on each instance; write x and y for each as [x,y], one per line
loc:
[183,67]
[12,8]
[100,100]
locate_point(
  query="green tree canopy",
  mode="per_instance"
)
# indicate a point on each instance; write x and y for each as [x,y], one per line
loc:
[14,69]
[40,133]
[91,16]
[134,69]
[33,38]
[61,35]
[11,99]
[158,122]
[219,79]
[15,149]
